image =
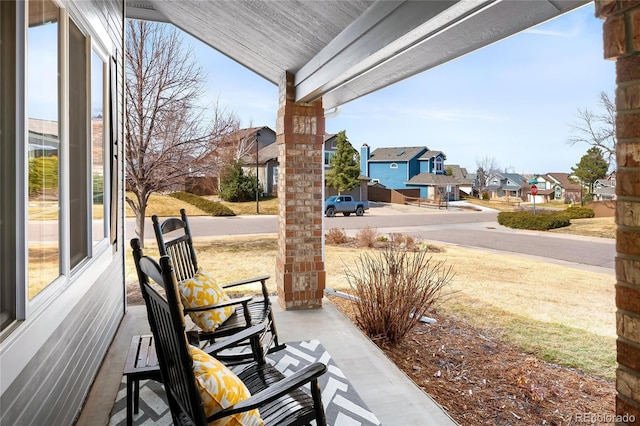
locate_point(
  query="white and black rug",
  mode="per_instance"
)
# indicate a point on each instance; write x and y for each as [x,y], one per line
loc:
[343,405]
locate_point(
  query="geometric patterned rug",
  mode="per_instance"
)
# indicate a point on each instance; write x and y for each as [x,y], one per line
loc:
[343,406]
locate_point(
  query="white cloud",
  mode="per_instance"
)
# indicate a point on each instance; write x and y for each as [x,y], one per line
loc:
[573,33]
[455,115]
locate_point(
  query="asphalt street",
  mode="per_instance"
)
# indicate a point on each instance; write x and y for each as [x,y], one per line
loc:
[463,227]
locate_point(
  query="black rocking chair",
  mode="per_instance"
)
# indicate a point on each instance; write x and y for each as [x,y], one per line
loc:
[248,313]
[280,400]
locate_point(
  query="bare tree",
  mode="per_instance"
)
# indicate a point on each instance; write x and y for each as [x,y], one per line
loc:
[168,134]
[485,167]
[244,145]
[597,129]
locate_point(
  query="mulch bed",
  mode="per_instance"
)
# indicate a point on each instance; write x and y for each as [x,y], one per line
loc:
[480,380]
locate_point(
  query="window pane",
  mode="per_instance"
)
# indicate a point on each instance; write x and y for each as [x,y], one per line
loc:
[44,145]
[79,145]
[97,142]
[7,163]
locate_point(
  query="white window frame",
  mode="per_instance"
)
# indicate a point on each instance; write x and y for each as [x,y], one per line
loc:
[439,164]
[25,308]
[103,242]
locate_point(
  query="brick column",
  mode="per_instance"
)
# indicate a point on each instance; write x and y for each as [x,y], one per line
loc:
[300,274]
[621,37]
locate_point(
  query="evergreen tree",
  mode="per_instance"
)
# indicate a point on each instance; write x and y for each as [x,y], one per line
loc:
[236,186]
[592,166]
[345,166]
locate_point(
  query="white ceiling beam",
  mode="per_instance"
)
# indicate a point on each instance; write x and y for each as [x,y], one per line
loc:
[492,23]
[384,31]
[144,11]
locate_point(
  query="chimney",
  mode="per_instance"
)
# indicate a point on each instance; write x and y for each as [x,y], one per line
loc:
[364,160]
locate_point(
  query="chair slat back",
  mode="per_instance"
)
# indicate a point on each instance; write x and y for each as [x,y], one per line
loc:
[179,248]
[168,328]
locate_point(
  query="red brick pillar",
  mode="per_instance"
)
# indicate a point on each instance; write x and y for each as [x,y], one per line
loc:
[300,274]
[621,37]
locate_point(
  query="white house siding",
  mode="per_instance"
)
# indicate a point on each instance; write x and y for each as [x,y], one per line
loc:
[48,360]
[52,384]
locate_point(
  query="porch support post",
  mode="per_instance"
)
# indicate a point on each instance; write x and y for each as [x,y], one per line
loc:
[621,36]
[300,274]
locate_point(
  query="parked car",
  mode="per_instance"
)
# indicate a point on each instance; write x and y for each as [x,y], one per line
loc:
[344,204]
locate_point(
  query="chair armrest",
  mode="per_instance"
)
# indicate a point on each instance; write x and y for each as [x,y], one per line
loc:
[275,391]
[238,301]
[234,339]
[262,278]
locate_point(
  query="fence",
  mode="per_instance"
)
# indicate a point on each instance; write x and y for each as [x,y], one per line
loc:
[404,196]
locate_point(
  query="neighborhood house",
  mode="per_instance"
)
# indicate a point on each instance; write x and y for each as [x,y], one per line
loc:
[415,168]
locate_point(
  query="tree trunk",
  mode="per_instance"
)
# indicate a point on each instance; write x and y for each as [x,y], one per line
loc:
[140,216]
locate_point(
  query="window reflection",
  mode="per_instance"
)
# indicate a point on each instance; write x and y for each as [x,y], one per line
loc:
[79,147]
[97,149]
[44,145]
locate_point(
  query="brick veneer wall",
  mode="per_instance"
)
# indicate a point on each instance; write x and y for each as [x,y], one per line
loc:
[300,274]
[621,39]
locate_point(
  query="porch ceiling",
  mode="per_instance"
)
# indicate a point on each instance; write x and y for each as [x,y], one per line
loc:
[341,50]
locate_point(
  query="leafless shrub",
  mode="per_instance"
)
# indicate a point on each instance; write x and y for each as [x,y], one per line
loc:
[408,242]
[366,237]
[395,289]
[336,236]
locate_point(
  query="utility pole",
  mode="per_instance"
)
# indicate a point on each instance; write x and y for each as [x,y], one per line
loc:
[257,179]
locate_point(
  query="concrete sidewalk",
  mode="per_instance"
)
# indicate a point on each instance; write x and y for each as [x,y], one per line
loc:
[386,390]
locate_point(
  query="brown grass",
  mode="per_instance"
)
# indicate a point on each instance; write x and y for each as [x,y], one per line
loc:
[267,206]
[164,206]
[601,227]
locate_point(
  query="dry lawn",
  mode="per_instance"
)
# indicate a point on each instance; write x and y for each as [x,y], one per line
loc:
[164,206]
[266,206]
[601,227]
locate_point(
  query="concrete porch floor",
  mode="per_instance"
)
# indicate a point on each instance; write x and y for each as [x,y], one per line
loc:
[386,390]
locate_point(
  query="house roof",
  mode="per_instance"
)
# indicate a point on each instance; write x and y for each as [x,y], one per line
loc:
[563,180]
[433,179]
[430,154]
[328,136]
[397,154]
[43,127]
[460,173]
[269,152]
[249,132]
[342,50]
[605,190]
[514,177]
[544,191]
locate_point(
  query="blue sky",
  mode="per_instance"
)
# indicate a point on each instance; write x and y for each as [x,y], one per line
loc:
[512,101]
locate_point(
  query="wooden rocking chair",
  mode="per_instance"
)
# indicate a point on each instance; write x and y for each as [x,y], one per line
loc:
[279,400]
[248,312]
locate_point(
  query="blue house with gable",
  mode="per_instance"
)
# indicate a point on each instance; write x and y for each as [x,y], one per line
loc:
[409,168]
[391,167]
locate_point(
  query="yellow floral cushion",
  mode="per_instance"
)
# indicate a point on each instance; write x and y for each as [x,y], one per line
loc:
[202,290]
[220,388]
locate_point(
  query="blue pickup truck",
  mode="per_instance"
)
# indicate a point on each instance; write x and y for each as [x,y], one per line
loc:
[344,204]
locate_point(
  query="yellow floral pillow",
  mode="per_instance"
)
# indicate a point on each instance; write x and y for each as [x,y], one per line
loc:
[202,290]
[220,388]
